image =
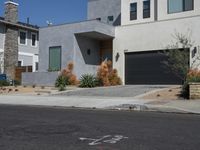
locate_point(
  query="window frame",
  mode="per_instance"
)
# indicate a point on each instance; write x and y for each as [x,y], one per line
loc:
[130,11]
[149,10]
[19,37]
[36,42]
[183,7]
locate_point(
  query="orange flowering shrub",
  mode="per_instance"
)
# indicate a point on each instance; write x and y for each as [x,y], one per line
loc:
[193,75]
[68,73]
[107,75]
[114,79]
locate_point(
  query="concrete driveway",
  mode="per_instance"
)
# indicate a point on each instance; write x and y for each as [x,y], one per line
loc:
[117,91]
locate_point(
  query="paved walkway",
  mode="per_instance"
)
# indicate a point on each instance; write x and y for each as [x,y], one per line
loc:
[125,103]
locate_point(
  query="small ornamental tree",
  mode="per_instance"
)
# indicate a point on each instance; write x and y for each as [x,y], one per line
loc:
[179,55]
[179,61]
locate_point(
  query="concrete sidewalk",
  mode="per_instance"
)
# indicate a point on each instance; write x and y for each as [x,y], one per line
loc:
[120,103]
[72,101]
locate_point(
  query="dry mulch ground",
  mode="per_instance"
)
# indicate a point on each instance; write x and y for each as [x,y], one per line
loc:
[22,89]
[172,93]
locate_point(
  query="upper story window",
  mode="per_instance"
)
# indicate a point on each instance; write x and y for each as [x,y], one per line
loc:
[34,39]
[133,11]
[22,37]
[146,9]
[175,6]
[19,63]
[110,19]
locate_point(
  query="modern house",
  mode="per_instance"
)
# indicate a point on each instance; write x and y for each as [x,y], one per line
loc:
[19,42]
[131,33]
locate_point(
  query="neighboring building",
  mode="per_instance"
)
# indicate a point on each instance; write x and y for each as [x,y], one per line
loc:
[131,33]
[19,42]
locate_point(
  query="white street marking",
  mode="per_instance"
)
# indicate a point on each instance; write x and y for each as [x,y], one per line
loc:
[104,139]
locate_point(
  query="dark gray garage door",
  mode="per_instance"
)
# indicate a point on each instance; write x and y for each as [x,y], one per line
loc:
[148,68]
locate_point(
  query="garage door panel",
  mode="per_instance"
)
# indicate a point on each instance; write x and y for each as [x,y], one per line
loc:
[148,68]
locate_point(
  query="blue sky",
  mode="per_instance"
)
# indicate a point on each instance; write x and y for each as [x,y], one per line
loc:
[57,11]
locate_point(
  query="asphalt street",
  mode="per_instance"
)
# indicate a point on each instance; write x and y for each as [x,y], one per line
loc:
[37,128]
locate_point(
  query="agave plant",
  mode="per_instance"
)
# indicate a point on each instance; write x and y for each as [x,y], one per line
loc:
[88,81]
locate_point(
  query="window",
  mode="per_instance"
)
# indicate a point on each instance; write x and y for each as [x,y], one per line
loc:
[88,51]
[146,9]
[175,6]
[36,66]
[34,39]
[188,5]
[133,11]
[19,64]
[110,19]
[22,37]
[55,58]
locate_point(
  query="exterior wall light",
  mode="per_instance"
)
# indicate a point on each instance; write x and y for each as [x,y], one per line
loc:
[117,57]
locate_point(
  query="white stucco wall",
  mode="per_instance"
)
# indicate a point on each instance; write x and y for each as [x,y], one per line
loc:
[151,36]
[162,11]
[125,12]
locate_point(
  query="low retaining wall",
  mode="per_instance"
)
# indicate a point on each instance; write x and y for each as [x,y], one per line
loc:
[39,78]
[194,90]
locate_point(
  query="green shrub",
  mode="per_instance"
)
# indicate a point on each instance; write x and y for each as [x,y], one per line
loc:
[17,82]
[4,83]
[185,90]
[61,82]
[61,88]
[88,81]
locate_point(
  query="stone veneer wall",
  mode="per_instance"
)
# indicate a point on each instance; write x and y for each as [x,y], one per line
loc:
[11,51]
[194,90]
[11,12]
[11,40]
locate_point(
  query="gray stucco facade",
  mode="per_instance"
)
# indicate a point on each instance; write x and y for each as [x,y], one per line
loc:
[103,9]
[39,78]
[75,39]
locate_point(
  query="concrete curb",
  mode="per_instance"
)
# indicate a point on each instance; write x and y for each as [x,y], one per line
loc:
[105,103]
[171,108]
